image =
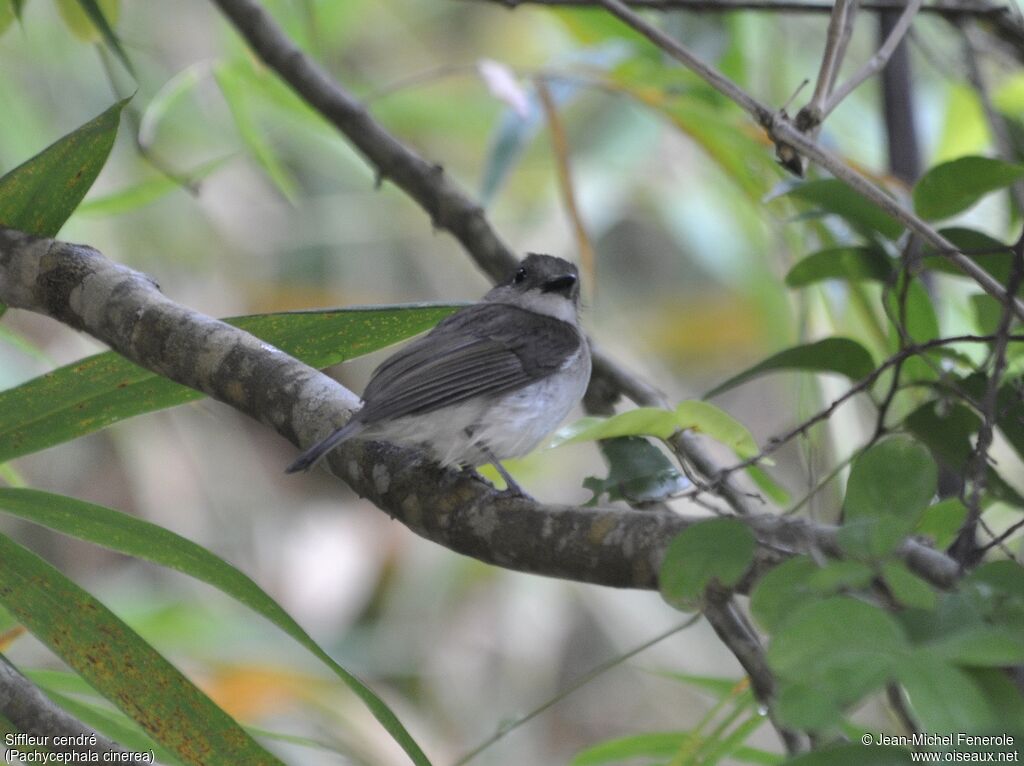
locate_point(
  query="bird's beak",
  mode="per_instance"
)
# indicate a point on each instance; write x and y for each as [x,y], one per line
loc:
[563,285]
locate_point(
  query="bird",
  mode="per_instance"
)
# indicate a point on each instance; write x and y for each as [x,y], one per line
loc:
[487,383]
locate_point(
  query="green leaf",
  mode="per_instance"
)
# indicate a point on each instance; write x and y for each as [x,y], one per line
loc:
[919,320]
[781,590]
[39,195]
[134,537]
[834,196]
[853,755]
[952,187]
[6,15]
[717,686]
[854,264]
[895,477]
[980,645]
[659,745]
[948,429]
[650,745]
[989,253]
[237,94]
[1002,577]
[829,654]
[906,587]
[714,551]
[103,389]
[119,664]
[941,522]
[514,132]
[653,421]
[145,192]
[890,485]
[839,355]
[638,472]
[95,11]
[943,698]
[114,724]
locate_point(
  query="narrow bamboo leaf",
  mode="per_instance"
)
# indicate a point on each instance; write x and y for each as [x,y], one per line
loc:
[853,755]
[134,537]
[952,187]
[833,196]
[95,11]
[853,264]
[838,355]
[39,195]
[115,725]
[6,15]
[714,551]
[653,421]
[237,97]
[145,192]
[660,745]
[516,128]
[120,665]
[103,389]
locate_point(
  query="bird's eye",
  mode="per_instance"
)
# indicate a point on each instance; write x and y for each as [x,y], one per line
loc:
[520,276]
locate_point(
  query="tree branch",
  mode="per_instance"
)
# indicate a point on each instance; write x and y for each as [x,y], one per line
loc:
[950,8]
[35,714]
[606,546]
[837,37]
[448,206]
[788,138]
[873,65]
[739,636]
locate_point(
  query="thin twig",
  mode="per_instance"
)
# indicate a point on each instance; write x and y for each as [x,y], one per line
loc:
[865,383]
[876,62]
[737,634]
[950,8]
[788,138]
[580,682]
[840,29]
[448,206]
[996,122]
[560,149]
[965,549]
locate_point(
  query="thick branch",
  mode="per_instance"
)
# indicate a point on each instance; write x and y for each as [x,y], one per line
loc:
[33,713]
[448,206]
[607,546]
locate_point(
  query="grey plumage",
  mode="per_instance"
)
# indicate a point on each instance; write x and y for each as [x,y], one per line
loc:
[499,365]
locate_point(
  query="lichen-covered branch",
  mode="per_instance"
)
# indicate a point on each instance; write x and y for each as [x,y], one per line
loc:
[33,713]
[449,207]
[617,547]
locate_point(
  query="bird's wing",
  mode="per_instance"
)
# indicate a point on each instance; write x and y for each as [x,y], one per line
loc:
[483,349]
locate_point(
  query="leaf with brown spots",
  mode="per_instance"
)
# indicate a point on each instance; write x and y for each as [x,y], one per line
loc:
[96,392]
[39,195]
[135,537]
[120,665]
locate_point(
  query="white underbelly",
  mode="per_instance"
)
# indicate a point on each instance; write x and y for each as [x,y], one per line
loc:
[507,427]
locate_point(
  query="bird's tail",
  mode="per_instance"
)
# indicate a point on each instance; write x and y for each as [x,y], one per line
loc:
[313,455]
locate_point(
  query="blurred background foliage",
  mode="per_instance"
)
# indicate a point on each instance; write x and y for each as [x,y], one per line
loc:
[239,200]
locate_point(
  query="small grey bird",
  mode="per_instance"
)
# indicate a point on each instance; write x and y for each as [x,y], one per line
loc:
[489,382]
